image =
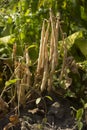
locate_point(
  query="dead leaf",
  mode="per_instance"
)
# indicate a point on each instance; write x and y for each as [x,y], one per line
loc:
[33,111]
[36,110]
[14,119]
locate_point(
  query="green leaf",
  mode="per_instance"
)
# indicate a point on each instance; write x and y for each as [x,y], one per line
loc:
[82,45]
[9,20]
[50,98]
[38,100]
[10,82]
[22,35]
[83,14]
[41,3]
[80,125]
[79,114]
[32,46]
[85,106]
[70,40]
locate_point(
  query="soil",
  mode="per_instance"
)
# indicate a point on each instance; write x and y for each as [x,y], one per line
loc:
[57,115]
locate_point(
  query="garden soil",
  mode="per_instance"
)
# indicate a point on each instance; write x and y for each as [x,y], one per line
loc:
[57,115]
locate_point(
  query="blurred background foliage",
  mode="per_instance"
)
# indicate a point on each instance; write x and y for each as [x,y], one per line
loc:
[24,18]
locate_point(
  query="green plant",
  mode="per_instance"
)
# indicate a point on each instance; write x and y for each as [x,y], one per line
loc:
[81,115]
[59,62]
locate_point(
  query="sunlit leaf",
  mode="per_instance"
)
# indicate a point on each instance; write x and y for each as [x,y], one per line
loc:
[32,46]
[9,20]
[38,100]
[70,40]
[41,2]
[10,82]
[22,35]
[85,106]
[5,39]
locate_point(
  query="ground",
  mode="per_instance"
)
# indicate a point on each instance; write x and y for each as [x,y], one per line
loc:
[58,116]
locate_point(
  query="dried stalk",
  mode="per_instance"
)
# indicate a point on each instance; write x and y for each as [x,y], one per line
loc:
[18,76]
[45,73]
[45,78]
[42,60]
[41,48]
[14,52]
[56,39]
[45,59]
[26,77]
[65,55]
[53,49]
[44,37]
[28,73]
[53,26]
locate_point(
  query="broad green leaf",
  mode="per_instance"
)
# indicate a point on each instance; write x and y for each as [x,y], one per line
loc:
[77,40]
[70,40]
[10,82]
[80,125]
[82,45]
[79,114]
[38,100]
